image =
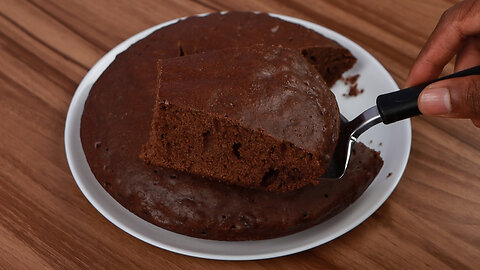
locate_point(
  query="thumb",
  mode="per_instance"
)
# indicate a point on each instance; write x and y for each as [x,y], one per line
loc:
[457,97]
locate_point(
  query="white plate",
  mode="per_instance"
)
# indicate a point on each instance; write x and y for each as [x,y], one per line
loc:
[395,148]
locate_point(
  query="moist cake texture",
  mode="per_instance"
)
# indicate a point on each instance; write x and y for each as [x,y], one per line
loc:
[257,117]
[117,118]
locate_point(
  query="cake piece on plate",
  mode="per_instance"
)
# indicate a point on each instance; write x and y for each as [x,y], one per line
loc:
[259,117]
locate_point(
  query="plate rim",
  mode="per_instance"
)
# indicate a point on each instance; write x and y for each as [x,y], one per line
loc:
[96,71]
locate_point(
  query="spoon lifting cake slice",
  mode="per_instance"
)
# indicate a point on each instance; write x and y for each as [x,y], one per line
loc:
[259,117]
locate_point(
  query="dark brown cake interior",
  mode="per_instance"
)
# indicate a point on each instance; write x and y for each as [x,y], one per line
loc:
[256,116]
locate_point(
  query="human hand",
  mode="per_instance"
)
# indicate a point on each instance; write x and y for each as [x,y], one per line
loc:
[457,33]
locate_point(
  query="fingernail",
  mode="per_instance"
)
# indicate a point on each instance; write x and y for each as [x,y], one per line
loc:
[435,101]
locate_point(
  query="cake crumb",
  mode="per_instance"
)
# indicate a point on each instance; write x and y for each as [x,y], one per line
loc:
[380,144]
[389,174]
[351,81]
[275,28]
[354,91]
[370,142]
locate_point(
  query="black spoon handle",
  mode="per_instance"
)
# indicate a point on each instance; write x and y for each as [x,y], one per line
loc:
[402,104]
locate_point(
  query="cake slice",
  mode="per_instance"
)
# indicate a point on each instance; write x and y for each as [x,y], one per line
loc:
[257,116]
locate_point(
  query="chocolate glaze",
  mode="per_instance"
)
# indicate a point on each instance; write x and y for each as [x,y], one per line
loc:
[116,122]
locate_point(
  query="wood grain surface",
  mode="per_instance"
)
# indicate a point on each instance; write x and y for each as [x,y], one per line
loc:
[432,219]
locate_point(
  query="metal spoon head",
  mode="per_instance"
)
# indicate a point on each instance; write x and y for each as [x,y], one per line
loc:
[338,164]
[349,133]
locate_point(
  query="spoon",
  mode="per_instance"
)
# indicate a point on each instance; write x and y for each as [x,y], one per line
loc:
[390,108]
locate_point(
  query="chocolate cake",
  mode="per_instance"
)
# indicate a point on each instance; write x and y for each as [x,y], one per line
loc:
[243,29]
[209,209]
[116,123]
[257,116]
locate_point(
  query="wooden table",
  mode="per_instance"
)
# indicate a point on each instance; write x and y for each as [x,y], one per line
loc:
[432,219]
